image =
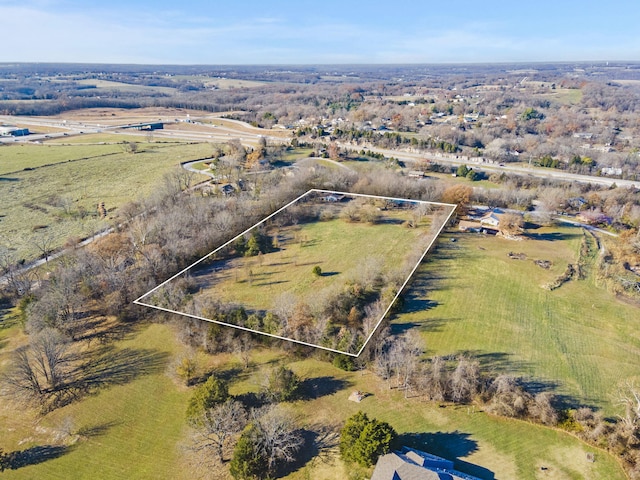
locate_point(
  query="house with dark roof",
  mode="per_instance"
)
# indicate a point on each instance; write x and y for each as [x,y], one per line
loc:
[412,464]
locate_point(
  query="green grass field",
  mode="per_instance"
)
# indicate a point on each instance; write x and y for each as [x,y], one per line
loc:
[16,158]
[471,297]
[129,430]
[338,247]
[482,445]
[51,198]
[135,429]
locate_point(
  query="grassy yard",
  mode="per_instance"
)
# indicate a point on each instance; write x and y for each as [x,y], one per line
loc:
[471,297]
[482,445]
[132,429]
[51,199]
[290,156]
[338,247]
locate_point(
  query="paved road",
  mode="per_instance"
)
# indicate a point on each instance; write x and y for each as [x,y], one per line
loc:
[249,135]
[412,157]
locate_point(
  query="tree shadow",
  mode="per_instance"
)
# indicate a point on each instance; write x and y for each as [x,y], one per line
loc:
[251,400]
[317,387]
[448,445]
[117,367]
[551,236]
[98,430]
[496,362]
[266,284]
[279,264]
[318,445]
[413,303]
[430,325]
[9,179]
[35,455]
[329,274]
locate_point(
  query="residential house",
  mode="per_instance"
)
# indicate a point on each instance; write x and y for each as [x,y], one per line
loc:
[333,198]
[412,464]
[491,218]
[227,189]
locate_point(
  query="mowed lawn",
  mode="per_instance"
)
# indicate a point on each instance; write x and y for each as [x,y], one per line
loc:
[132,429]
[482,445]
[338,247]
[136,429]
[47,200]
[579,339]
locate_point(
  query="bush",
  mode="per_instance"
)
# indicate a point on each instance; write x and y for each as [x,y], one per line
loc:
[344,362]
[317,271]
[281,385]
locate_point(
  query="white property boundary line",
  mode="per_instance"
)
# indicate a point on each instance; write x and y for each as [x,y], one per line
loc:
[139,301]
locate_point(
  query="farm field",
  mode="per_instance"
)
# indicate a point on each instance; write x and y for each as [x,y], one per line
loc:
[471,297]
[28,155]
[60,200]
[126,87]
[98,138]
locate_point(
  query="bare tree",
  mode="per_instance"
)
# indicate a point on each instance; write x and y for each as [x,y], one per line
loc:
[18,280]
[278,438]
[405,354]
[435,380]
[44,241]
[284,306]
[542,410]
[511,224]
[629,398]
[243,346]
[40,371]
[217,427]
[464,381]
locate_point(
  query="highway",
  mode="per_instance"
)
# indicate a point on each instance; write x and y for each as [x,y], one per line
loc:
[537,172]
[196,129]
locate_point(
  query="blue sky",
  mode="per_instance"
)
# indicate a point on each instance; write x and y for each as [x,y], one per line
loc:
[328,31]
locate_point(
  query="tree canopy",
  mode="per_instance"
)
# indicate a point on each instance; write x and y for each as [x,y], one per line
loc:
[363,440]
[248,462]
[211,393]
[281,385]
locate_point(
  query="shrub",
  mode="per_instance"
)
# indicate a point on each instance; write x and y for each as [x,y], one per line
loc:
[317,271]
[281,385]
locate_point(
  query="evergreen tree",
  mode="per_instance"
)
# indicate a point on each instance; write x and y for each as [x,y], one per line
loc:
[211,393]
[248,463]
[363,440]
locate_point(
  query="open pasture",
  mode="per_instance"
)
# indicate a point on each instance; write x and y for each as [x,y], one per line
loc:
[60,201]
[472,297]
